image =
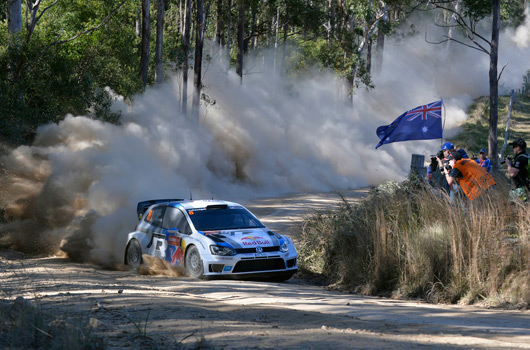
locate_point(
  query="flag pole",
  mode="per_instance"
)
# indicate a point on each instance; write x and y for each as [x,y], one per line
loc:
[443,123]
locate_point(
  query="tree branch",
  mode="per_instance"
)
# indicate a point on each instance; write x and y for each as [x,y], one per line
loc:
[46,9]
[60,42]
[502,70]
[469,29]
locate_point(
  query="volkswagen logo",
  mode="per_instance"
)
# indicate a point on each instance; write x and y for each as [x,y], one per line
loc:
[259,250]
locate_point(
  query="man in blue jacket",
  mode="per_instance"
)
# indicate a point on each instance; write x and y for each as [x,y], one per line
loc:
[483,161]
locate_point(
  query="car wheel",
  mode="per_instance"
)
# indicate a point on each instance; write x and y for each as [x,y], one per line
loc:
[134,254]
[194,262]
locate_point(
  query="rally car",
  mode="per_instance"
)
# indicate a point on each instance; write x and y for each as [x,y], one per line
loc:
[210,238]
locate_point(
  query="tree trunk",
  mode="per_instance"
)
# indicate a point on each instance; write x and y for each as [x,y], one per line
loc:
[453,21]
[240,40]
[253,35]
[159,69]
[369,57]
[494,84]
[199,44]
[185,64]
[380,48]
[256,36]
[181,20]
[229,33]
[138,22]
[331,26]
[146,37]
[14,18]
[219,23]
[284,46]
[276,39]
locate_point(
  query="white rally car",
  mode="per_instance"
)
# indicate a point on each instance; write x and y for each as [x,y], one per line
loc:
[210,238]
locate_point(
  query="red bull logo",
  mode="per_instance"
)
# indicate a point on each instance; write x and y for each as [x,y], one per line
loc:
[254,241]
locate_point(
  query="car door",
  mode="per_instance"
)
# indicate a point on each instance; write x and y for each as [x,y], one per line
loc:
[175,229]
[157,245]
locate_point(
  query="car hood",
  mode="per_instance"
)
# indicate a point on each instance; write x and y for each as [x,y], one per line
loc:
[246,238]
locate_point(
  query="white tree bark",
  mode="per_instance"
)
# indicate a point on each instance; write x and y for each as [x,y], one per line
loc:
[14,17]
[159,69]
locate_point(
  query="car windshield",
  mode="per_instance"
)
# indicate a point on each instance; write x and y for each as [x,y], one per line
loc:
[223,219]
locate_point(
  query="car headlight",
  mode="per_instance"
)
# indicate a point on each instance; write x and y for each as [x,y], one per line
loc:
[224,251]
[284,247]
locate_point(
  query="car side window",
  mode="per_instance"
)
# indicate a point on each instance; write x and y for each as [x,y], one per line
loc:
[175,218]
[155,216]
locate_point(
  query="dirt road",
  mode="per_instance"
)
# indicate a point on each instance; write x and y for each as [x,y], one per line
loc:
[133,311]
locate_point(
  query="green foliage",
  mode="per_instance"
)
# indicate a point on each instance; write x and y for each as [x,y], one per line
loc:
[477,9]
[42,83]
[512,12]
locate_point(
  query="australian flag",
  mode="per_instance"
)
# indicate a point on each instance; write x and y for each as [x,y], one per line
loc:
[420,123]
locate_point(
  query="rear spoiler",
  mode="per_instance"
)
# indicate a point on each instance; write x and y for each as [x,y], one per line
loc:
[142,206]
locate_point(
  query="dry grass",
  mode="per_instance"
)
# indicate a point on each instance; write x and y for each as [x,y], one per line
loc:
[24,325]
[409,240]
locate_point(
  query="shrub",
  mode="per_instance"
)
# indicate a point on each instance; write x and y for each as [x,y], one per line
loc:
[410,240]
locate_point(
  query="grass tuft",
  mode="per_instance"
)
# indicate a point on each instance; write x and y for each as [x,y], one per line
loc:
[408,240]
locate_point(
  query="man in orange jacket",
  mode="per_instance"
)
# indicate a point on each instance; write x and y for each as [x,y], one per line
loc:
[472,178]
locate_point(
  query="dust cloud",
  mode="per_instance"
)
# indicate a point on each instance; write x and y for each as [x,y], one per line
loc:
[77,186]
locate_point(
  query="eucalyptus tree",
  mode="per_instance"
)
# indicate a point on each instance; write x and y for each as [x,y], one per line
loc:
[14,18]
[159,69]
[240,38]
[186,50]
[146,41]
[200,28]
[466,14]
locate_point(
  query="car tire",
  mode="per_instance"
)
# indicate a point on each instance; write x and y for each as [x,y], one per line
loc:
[134,254]
[194,262]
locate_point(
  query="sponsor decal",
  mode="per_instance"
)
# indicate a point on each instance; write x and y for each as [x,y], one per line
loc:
[177,256]
[173,240]
[211,232]
[227,268]
[250,241]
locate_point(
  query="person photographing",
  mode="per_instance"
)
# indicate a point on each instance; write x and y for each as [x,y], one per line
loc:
[517,170]
[472,178]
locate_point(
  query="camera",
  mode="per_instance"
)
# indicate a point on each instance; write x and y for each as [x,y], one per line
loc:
[504,160]
[448,167]
[440,154]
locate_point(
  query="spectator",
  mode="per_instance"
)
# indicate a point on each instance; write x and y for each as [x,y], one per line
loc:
[483,161]
[517,170]
[441,157]
[463,153]
[472,178]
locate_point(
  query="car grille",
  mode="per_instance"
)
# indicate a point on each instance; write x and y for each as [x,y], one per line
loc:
[253,250]
[259,265]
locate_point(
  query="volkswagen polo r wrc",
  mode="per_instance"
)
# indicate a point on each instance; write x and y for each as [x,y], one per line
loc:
[210,238]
